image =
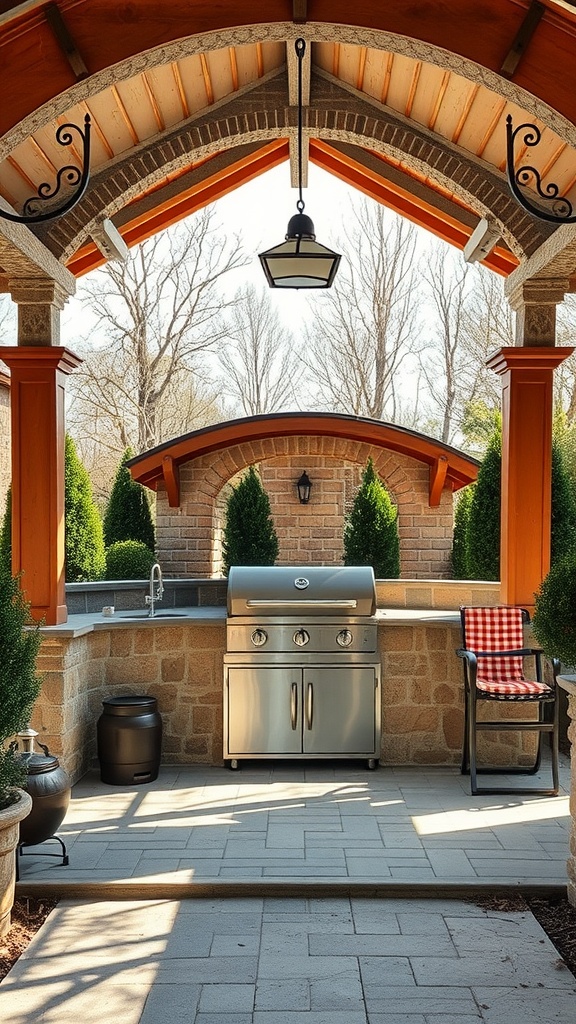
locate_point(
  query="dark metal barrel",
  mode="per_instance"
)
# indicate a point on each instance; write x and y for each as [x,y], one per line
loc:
[129,740]
[49,786]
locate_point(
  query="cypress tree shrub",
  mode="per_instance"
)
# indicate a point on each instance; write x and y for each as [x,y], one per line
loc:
[563,507]
[460,568]
[129,560]
[83,526]
[483,528]
[19,682]
[249,534]
[6,534]
[554,619]
[371,529]
[128,515]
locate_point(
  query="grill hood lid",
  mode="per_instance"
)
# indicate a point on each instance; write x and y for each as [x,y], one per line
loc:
[257,590]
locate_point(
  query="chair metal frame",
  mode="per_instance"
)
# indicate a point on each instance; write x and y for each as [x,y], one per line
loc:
[547,721]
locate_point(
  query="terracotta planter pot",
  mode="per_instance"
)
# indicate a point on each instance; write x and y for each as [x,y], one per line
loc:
[10,818]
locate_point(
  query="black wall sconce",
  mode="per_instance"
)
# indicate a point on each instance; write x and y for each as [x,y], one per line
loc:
[304,486]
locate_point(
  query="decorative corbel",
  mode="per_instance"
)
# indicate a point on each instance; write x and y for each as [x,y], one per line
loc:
[438,471]
[171,474]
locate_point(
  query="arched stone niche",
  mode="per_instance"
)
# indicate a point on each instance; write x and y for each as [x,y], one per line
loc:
[189,537]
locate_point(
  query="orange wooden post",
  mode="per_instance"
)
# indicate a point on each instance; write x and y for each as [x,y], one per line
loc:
[38,377]
[527,376]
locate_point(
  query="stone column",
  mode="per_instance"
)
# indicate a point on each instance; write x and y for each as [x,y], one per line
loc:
[527,375]
[39,367]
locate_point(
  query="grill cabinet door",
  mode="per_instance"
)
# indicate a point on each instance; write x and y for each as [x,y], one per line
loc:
[264,711]
[339,710]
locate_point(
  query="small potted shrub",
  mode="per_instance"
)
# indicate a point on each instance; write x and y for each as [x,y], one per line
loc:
[19,688]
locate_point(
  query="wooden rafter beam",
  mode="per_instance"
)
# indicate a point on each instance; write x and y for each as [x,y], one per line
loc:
[299,11]
[66,42]
[292,65]
[522,38]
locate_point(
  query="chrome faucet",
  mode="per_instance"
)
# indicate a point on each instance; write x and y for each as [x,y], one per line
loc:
[155,592]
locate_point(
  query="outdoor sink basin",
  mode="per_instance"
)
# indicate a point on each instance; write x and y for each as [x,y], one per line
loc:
[157,615]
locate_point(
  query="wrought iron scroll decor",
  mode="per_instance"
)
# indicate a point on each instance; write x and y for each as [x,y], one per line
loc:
[68,176]
[559,210]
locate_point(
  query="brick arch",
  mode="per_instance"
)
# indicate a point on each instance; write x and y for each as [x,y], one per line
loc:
[335,116]
[311,533]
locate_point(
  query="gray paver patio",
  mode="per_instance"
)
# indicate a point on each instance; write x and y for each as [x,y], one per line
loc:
[292,821]
[301,961]
[327,951]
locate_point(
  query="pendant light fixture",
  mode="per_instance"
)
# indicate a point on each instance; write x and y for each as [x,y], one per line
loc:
[300,261]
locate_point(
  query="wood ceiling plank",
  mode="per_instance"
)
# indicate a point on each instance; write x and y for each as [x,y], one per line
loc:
[233,67]
[207,80]
[155,106]
[138,108]
[436,107]
[417,70]
[164,86]
[180,90]
[400,79]
[125,115]
[120,134]
[429,87]
[467,107]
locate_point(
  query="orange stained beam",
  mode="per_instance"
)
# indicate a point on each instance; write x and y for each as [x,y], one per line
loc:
[171,474]
[438,471]
[527,402]
[175,209]
[148,468]
[37,384]
[405,203]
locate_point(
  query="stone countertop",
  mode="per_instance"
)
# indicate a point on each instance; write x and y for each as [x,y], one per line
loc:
[79,625]
[568,683]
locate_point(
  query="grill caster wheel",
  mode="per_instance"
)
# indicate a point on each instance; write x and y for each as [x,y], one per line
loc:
[233,765]
[372,764]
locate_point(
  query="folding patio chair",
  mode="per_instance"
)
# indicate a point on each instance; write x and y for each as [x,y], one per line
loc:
[493,655]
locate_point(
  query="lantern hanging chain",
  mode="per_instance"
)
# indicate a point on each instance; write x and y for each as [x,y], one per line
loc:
[300,47]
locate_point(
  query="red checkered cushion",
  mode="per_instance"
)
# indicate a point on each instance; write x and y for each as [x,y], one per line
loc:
[495,629]
[499,629]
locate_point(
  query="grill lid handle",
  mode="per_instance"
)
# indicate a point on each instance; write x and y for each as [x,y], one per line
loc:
[309,603]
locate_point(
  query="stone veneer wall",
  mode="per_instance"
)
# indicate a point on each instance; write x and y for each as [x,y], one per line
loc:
[182,666]
[188,538]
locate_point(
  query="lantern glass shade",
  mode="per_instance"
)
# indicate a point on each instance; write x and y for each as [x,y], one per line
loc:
[304,484]
[300,263]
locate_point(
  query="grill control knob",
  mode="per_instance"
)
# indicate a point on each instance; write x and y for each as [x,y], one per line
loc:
[259,637]
[301,637]
[344,638]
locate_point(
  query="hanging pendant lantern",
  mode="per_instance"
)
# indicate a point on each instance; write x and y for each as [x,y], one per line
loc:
[300,261]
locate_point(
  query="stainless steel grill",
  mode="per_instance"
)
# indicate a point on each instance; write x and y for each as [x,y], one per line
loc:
[301,676]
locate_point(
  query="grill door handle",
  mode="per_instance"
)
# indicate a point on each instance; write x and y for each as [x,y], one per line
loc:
[294,705]
[309,705]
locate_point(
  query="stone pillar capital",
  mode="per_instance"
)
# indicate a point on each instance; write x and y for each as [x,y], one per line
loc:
[534,302]
[539,291]
[37,291]
[40,301]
